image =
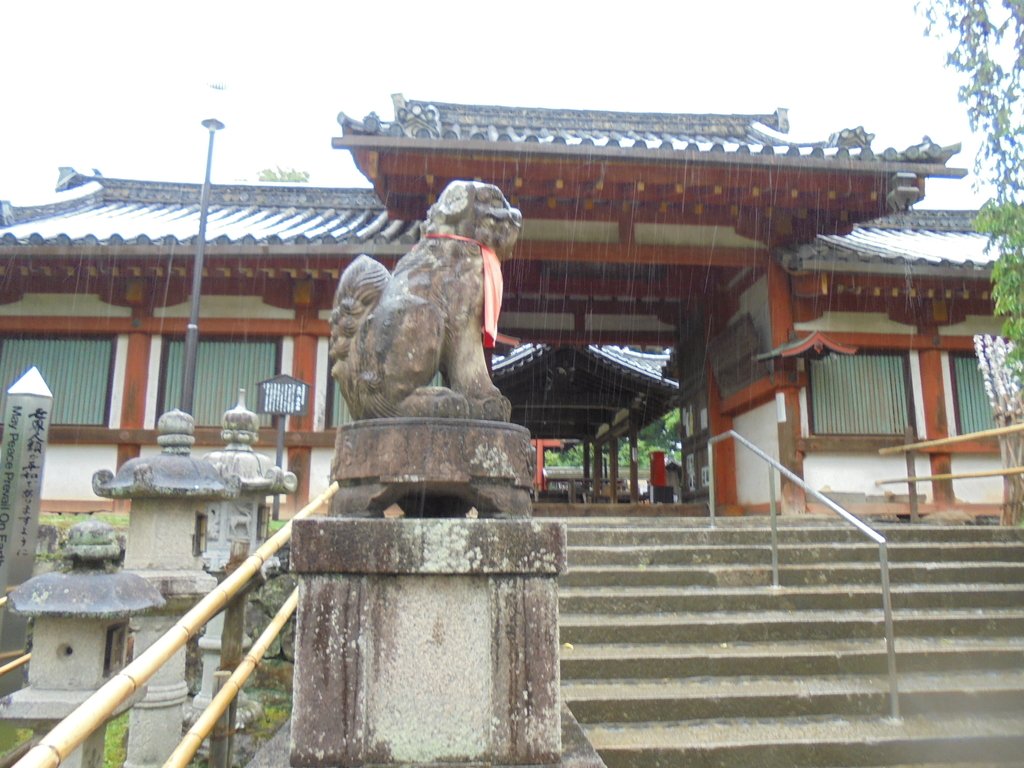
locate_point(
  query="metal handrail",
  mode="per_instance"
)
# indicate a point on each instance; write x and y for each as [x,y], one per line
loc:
[856,522]
[74,729]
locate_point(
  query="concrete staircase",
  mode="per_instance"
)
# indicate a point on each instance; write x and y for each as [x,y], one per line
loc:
[677,651]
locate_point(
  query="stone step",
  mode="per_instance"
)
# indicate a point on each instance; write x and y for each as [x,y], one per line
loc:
[818,574]
[812,742]
[823,657]
[792,554]
[647,533]
[783,626]
[660,599]
[698,698]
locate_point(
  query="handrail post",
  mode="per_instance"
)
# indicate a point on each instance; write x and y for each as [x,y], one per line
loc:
[220,739]
[909,436]
[772,506]
[232,648]
[711,482]
[890,642]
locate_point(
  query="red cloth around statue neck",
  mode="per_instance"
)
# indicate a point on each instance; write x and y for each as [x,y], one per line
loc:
[493,286]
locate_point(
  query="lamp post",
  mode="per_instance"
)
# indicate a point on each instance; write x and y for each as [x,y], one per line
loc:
[188,381]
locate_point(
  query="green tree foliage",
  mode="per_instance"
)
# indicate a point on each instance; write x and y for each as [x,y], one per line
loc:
[284,174]
[659,435]
[988,50]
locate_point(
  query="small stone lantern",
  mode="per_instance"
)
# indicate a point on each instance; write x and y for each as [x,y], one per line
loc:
[173,497]
[243,518]
[80,635]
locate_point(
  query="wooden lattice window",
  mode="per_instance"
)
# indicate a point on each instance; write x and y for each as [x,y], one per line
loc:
[77,371]
[864,394]
[973,410]
[222,367]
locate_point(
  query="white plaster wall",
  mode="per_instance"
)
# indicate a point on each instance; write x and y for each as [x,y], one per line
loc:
[973,324]
[759,426]
[156,346]
[228,306]
[983,490]
[63,305]
[67,475]
[855,322]
[320,470]
[117,389]
[287,355]
[917,394]
[857,473]
[320,390]
[621,323]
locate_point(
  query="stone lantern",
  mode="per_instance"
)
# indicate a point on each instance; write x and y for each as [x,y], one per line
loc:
[239,519]
[173,498]
[80,635]
[245,517]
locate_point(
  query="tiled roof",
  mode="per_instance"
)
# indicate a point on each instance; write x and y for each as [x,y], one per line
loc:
[941,239]
[741,134]
[95,210]
[642,366]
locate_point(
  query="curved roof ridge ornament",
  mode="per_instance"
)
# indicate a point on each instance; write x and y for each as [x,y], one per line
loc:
[813,347]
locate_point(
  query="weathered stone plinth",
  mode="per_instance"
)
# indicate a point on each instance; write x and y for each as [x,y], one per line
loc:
[432,467]
[427,642]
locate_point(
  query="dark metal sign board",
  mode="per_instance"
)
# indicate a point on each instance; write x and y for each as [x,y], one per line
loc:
[283,396]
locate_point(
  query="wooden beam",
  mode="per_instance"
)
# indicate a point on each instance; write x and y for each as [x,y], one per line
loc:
[214,326]
[698,256]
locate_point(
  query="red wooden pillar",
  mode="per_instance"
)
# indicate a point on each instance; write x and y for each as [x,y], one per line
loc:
[725,451]
[794,499]
[780,308]
[304,369]
[133,392]
[935,423]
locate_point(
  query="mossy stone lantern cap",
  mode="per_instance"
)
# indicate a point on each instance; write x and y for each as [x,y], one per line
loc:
[81,613]
[174,473]
[172,497]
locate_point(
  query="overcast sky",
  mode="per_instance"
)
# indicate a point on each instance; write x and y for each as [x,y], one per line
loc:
[122,86]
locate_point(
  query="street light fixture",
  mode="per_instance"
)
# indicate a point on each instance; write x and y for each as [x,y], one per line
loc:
[188,381]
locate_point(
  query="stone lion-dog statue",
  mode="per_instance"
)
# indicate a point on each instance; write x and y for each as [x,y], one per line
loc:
[392,333]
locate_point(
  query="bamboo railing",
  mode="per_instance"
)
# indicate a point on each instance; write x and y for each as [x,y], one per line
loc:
[21,661]
[192,740]
[941,442]
[911,449]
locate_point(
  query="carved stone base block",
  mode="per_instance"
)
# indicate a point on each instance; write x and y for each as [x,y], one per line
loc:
[432,468]
[426,642]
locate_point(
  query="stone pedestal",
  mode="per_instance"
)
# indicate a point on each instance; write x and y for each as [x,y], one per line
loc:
[155,722]
[433,468]
[427,642]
